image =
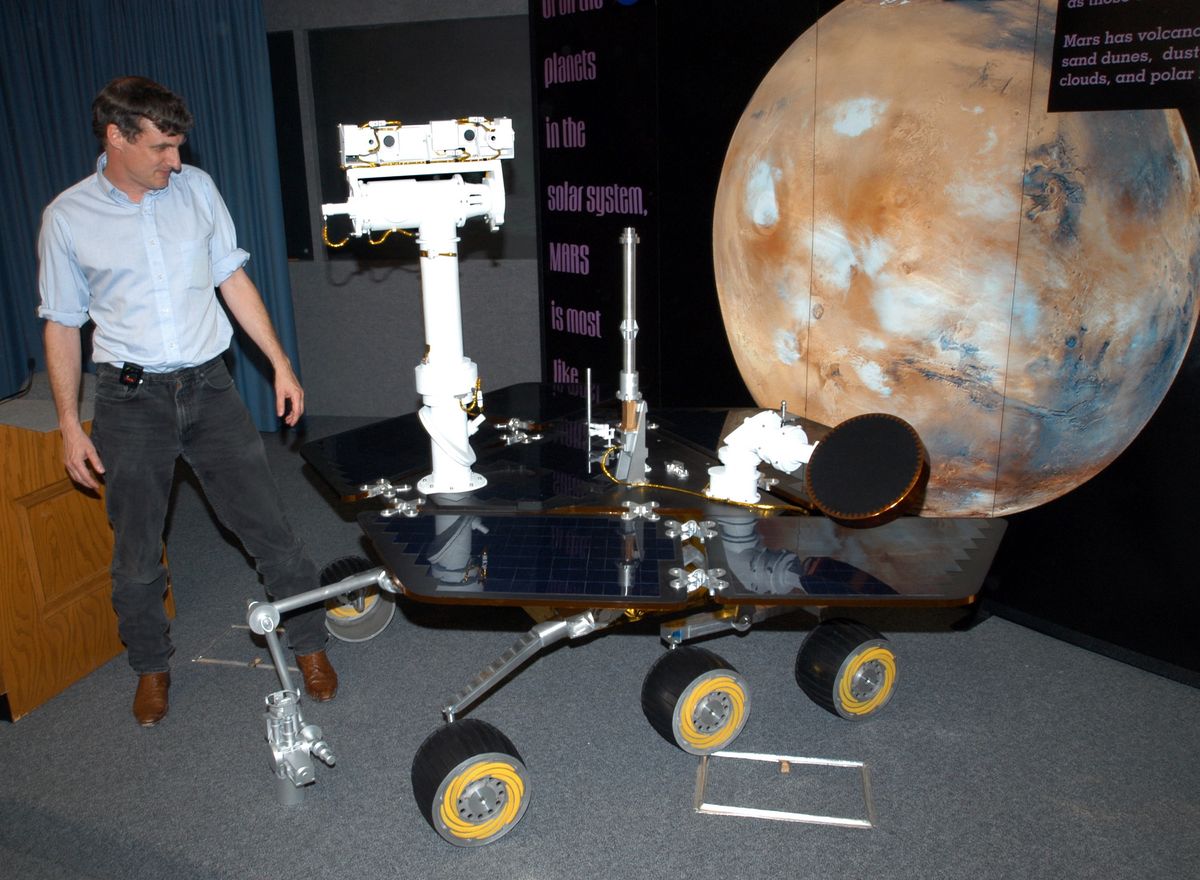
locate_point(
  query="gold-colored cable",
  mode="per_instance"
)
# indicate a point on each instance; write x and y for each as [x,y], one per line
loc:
[680,489]
[472,408]
[332,244]
[389,232]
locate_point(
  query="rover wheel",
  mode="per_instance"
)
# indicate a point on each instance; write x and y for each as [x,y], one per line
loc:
[359,615]
[847,668]
[470,783]
[695,700]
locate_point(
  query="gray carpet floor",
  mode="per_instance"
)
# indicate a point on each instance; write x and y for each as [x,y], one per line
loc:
[1005,753]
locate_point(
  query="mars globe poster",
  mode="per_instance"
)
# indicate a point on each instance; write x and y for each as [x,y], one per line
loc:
[903,226]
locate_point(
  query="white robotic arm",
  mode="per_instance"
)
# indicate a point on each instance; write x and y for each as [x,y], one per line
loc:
[760,438]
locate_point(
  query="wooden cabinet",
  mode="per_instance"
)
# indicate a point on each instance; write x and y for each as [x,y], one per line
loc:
[56,617]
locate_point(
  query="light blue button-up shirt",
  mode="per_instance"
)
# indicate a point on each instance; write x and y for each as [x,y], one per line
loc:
[144,272]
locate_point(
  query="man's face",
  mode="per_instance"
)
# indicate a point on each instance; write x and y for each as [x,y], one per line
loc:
[142,163]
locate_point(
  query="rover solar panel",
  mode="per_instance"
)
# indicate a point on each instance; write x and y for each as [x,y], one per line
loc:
[600,561]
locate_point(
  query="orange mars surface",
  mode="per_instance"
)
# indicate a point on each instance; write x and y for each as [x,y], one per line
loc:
[901,227]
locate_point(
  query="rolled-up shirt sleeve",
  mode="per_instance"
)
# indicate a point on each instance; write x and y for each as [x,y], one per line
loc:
[62,288]
[224,253]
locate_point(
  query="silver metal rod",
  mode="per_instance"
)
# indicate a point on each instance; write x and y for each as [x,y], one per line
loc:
[537,639]
[281,669]
[354,582]
[587,425]
[629,243]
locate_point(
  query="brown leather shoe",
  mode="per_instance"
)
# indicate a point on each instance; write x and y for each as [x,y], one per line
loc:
[320,681]
[150,701]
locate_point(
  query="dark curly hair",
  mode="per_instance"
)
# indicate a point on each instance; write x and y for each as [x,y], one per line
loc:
[125,101]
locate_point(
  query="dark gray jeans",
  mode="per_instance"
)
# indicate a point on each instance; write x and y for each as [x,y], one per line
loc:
[139,432]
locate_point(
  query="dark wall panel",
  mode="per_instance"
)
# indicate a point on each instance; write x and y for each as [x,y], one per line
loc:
[293,183]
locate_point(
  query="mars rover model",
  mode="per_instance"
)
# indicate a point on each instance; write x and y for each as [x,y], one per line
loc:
[591,515]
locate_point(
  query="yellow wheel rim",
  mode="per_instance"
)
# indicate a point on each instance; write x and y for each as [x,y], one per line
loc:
[731,694]
[885,661]
[501,771]
[347,611]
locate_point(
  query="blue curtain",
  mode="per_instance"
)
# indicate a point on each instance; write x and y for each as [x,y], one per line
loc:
[54,58]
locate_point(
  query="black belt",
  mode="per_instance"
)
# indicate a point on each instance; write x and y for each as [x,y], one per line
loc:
[112,371]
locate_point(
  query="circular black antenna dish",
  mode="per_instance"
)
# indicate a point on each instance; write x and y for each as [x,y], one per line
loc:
[866,468]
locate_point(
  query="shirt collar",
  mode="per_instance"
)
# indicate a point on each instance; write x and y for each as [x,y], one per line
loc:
[114,192]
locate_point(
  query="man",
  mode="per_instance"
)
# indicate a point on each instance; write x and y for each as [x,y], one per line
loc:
[137,248]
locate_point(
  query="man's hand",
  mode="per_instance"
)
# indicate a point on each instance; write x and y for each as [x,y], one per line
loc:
[81,459]
[63,360]
[289,396]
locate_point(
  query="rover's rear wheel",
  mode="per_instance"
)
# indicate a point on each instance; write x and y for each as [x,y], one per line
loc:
[847,668]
